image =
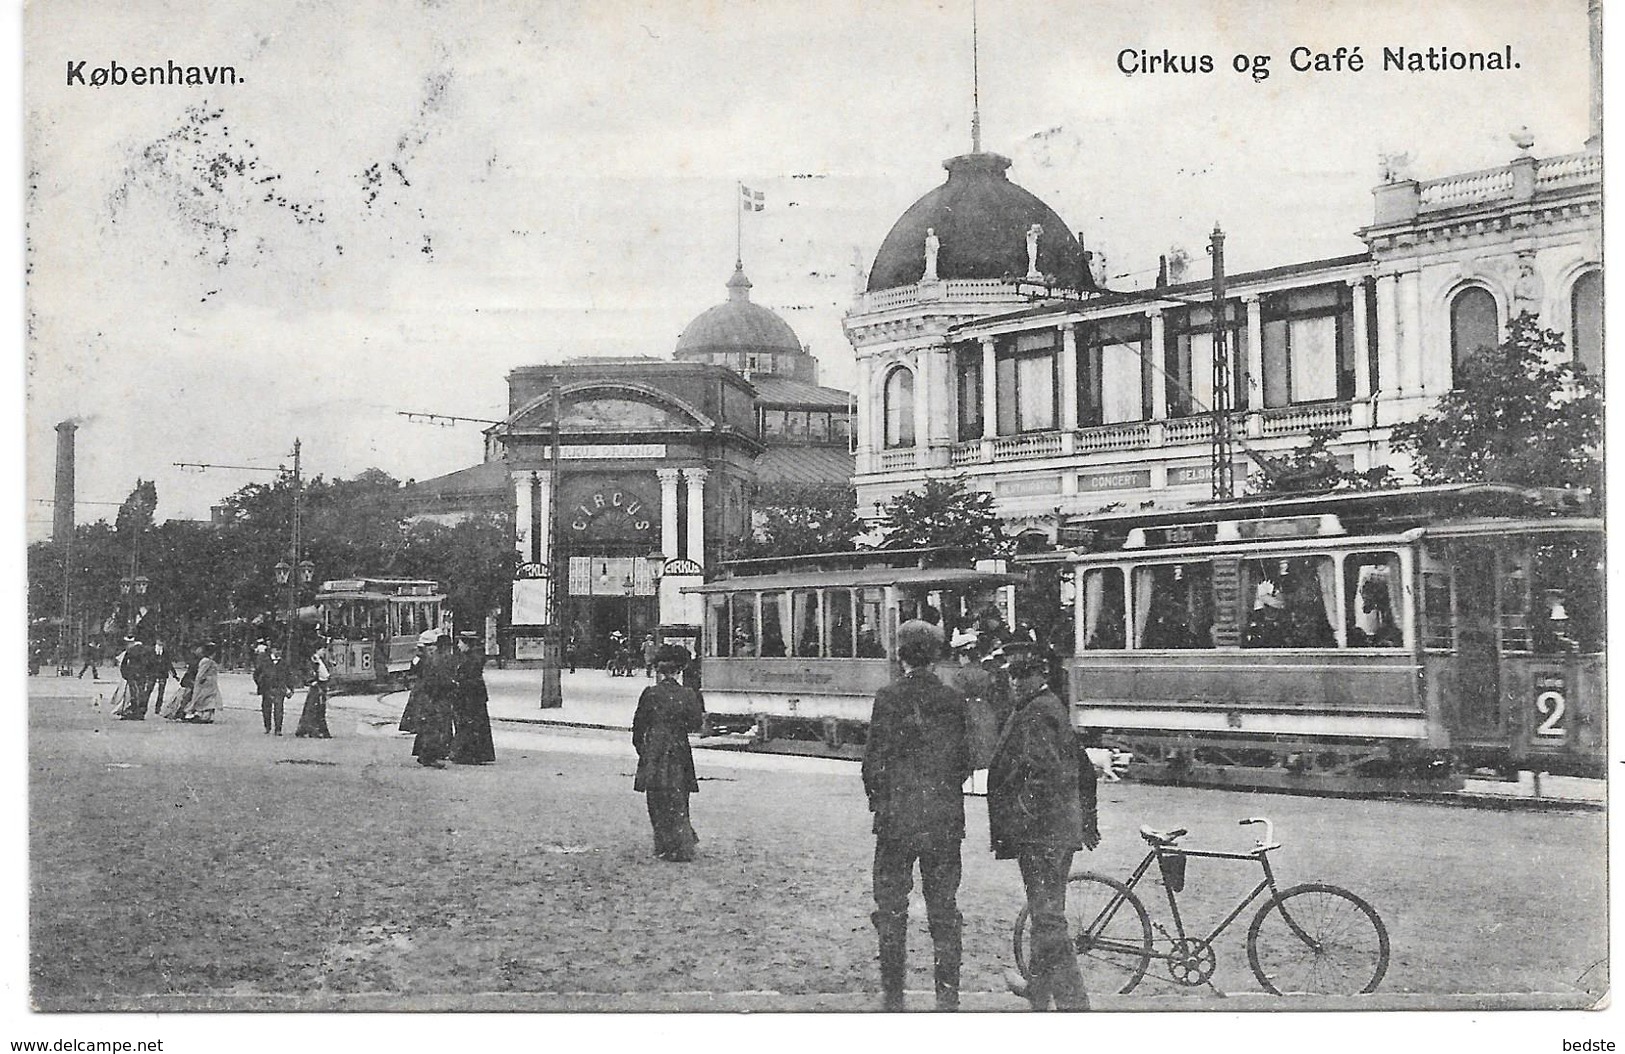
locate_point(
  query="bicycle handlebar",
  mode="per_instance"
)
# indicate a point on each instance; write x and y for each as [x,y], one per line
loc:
[1268,841]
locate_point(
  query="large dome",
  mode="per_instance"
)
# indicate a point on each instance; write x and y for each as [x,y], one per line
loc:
[737,325]
[981,221]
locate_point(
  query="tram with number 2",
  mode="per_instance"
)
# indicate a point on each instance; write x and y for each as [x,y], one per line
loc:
[1346,640]
[372,625]
[795,648]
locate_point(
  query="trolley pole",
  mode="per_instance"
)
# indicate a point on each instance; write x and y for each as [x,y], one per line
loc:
[295,571]
[553,636]
[1223,466]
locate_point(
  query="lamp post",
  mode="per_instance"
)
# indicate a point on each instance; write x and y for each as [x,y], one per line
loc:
[132,587]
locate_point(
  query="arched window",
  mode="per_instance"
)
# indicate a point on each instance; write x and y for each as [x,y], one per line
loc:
[1585,321]
[1473,325]
[899,397]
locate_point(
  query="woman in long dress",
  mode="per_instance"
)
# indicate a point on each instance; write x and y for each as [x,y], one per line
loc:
[470,715]
[667,712]
[313,718]
[175,708]
[205,701]
[414,678]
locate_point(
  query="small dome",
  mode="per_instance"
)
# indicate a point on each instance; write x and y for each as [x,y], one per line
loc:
[981,220]
[737,325]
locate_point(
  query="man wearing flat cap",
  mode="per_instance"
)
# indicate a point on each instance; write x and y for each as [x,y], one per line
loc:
[667,712]
[1040,811]
[914,763]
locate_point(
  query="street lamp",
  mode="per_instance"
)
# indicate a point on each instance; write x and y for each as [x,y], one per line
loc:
[283,571]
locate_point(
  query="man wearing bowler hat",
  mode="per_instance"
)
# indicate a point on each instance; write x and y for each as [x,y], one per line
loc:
[915,760]
[1040,811]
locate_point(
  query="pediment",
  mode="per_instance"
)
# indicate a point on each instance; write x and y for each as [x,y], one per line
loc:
[619,408]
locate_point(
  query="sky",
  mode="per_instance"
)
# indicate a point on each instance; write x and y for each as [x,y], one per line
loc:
[401,202]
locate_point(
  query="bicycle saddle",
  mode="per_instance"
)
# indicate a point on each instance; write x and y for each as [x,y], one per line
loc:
[1156,837]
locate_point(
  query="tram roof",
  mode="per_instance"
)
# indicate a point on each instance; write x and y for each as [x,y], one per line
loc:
[915,577]
[1392,509]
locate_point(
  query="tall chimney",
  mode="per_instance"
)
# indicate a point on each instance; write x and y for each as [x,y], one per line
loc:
[62,518]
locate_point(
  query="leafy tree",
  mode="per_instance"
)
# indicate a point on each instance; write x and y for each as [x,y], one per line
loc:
[944,512]
[1311,468]
[473,560]
[796,518]
[1521,412]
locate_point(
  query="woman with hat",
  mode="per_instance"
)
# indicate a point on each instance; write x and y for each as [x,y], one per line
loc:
[414,677]
[977,685]
[667,712]
[437,688]
[205,699]
[313,718]
[470,715]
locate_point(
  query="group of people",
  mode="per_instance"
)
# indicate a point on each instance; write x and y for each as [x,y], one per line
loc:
[447,708]
[926,739]
[275,681]
[148,669]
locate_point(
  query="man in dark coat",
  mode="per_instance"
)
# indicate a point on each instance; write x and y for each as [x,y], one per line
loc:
[136,668]
[1040,811]
[667,712]
[436,688]
[914,763]
[274,683]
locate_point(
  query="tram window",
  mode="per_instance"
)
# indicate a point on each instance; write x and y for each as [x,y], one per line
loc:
[1568,591]
[775,625]
[1372,604]
[870,604]
[808,636]
[1294,603]
[1104,614]
[721,635]
[1173,606]
[1439,620]
[743,607]
[840,623]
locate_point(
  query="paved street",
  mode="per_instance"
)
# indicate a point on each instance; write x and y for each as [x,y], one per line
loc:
[212,867]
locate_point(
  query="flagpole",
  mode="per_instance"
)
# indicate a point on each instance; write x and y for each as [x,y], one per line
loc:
[739,225]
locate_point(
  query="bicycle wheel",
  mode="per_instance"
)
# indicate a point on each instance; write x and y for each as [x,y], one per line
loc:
[1110,932]
[1317,939]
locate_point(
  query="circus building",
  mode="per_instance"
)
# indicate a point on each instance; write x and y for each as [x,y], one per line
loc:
[659,463]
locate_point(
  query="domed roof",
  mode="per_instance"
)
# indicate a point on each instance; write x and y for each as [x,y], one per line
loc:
[737,325]
[981,220]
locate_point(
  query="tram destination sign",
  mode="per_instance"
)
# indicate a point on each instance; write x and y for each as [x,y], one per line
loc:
[1181,534]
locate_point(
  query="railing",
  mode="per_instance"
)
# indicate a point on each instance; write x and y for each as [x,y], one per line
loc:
[1562,171]
[1178,430]
[896,460]
[1113,437]
[965,453]
[1488,185]
[982,289]
[1298,419]
[1038,444]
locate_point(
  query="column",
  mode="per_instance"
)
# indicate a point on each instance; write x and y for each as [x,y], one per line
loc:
[990,390]
[1410,331]
[1362,357]
[1255,352]
[1159,364]
[668,512]
[1069,377]
[864,424]
[521,515]
[695,479]
[541,544]
[925,377]
[1388,375]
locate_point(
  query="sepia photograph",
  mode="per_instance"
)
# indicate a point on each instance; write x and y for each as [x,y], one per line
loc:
[671,515]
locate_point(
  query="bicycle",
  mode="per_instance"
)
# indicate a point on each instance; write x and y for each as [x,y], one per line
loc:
[1312,938]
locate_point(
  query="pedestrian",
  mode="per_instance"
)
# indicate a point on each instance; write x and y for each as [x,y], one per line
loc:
[1040,811]
[648,654]
[175,709]
[200,709]
[163,671]
[93,660]
[977,685]
[313,718]
[135,666]
[414,678]
[915,760]
[572,650]
[436,685]
[667,712]
[470,715]
[274,683]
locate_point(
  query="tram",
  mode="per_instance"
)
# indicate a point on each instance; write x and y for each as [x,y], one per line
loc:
[372,625]
[1343,640]
[795,648]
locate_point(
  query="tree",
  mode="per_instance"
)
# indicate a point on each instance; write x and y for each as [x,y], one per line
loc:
[1522,412]
[793,518]
[1312,468]
[943,513]
[473,560]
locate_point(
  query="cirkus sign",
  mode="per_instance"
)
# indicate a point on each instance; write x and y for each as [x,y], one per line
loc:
[614,501]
